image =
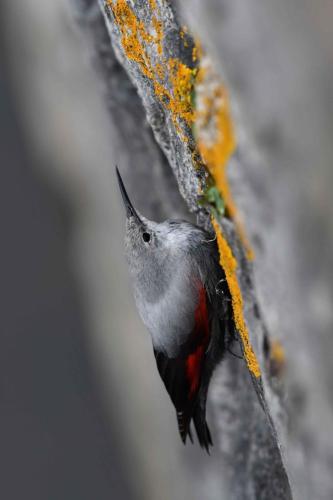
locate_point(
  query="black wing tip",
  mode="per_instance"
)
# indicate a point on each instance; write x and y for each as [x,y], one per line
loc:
[205,439]
[202,431]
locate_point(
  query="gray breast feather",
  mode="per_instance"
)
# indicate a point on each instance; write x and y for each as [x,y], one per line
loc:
[170,320]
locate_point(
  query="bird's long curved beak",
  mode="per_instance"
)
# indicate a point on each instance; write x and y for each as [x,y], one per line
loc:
[130,210]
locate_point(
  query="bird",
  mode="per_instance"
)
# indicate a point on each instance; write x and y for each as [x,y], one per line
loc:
[182,296]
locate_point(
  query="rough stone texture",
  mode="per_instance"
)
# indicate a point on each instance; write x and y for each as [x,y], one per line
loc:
[276,61]
[253,462]
[151,169]
[277,57]
[178,152]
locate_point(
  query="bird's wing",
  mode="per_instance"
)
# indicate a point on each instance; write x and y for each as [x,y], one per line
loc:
[182,374]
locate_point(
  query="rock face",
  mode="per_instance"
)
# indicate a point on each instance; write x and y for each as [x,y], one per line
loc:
[186,106]
[276,58]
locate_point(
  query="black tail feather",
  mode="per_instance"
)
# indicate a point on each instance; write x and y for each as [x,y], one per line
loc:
[202,429]
[209,435]
[190,434]
[183,420]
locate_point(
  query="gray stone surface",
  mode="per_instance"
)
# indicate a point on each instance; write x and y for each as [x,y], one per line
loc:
[258,472]
[277,59]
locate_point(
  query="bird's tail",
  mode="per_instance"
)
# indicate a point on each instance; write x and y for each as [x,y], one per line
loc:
[184,419]
[201,427]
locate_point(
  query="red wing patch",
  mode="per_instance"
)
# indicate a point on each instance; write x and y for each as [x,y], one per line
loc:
[201,336]
[182,374]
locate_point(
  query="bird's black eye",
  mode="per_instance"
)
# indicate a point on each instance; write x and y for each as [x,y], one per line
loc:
[146,237]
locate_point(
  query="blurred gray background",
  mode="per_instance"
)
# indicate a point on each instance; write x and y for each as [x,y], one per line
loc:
[83,414]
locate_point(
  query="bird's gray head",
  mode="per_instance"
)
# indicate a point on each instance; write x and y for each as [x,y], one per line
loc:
[153,249]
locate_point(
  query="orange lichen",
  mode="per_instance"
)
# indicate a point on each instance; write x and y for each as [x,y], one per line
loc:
[152,4]
[135,40]
[229,264]
[216,143]
[277,357]
[174,84]
[181,78]
[218,148]
[277,352]
[158,34]
[133,34]
[217,153]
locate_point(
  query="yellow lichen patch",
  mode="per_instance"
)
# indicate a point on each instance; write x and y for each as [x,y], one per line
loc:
[216,143]
[216,140]
[181,78]
[217,152]
[212,120]
[183,31]
[136,39]
[229,264]
[174,85]
[152,4]
[158,34]
[277,357]
[133,35]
